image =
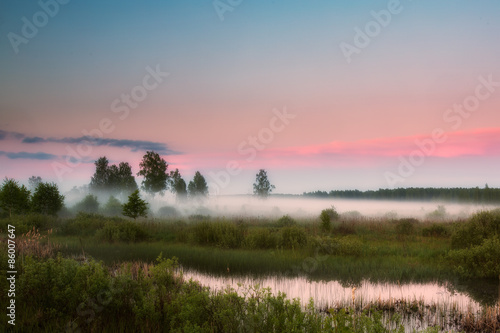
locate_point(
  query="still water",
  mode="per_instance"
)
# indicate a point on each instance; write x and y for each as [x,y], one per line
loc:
[333,294]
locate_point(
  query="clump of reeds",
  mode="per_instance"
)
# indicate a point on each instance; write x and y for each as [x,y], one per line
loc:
[135,269]
[417,313]
[488,320]
[34,244]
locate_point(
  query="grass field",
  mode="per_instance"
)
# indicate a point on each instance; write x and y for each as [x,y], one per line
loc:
[348,250]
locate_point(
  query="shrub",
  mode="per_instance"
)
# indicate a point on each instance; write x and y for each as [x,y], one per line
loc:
[261,239]
[199,217]
[344,246]
[89,204]
[438,214]
[126,231]
[56,286]
[348,246]
[352,215]
[478,261]
[84,224]
[113,207]
[406,227]
[25,223]
[345,228]
[292,237]
[435,230]
[285,221]
[478,228]
[326,217]
[220,234]
[168,211]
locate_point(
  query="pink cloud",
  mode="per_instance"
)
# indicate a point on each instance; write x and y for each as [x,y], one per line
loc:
[476,142]
[363,153]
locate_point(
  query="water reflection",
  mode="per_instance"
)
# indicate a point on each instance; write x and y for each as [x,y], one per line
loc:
[333,294]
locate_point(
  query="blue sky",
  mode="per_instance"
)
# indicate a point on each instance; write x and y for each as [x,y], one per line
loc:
[226,77]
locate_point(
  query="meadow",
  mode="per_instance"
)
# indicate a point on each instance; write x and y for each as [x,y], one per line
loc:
[108,273]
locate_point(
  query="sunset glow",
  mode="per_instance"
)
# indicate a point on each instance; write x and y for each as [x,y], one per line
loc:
[266,85]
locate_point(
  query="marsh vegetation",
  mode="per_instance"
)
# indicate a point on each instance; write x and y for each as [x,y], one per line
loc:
[255,272]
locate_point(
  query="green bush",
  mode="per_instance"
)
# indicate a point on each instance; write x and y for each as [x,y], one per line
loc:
[326,217]
[345,228]
[89,204]
[168,211]
[285,221]
[348,246]
[261,238]
[85,224]
[352,215]
[25,223]
[126,231]
[406,226]
[292,238]
[478,228]
[438,214]
[57,286]
[344,246]
[221,234]
[113,207]
[199,217]
[435,230]
[478,261]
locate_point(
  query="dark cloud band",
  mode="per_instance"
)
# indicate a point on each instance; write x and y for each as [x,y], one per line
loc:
[133,145]
[26,155]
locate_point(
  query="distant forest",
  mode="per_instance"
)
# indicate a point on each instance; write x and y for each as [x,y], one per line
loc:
[458,194]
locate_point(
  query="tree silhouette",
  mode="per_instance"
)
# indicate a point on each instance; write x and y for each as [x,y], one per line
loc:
[154,171]
[46,199]
[262,187]
[14,198]
[178,185]
[198,186]
[135,206]
[112,178]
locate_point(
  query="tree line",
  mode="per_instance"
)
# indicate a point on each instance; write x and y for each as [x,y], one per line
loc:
[44,198]
[157,180]
[458,194]
[16,199]
[119,179]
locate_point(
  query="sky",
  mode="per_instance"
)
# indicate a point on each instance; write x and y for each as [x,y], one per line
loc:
[324,95]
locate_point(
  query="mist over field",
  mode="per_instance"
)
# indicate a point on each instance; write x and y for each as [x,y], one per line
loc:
[274,207]
[297,206]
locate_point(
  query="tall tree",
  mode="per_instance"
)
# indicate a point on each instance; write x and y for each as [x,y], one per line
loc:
[33,182]
[198,186]
[112,178]
[89,204]
[262,187]
[14,199]
[178,185]
[127,180]
[135,206]
[100,179]
[113,207]
[154,171]
[46,199]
